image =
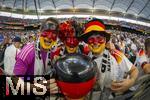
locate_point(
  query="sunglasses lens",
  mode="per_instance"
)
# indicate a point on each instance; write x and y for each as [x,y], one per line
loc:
[44,34]
[90,40]
[97,39]
[50,26]
[49,34]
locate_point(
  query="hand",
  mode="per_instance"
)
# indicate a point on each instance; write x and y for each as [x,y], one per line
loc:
[52,86]
[56,57]
[146,68]
[122,86]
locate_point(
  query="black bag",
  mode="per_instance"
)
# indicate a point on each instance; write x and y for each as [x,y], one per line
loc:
[2,51]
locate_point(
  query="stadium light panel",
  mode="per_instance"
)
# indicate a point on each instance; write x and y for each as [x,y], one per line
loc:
[69,16]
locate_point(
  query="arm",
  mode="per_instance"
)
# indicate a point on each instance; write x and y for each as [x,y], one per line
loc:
[125,84]
[146,68]
[133,74]
[21,67]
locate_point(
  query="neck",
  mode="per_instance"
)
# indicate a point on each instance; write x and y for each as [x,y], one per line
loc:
[98,54]
[45,50]
[15,46]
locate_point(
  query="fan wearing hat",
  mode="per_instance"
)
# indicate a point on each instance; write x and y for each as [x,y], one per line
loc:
[34,58]
[96,37]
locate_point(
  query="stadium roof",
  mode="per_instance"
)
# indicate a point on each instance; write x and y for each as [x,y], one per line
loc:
[130,9]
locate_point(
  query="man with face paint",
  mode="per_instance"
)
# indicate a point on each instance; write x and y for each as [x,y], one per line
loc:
[109,79]
[34,58]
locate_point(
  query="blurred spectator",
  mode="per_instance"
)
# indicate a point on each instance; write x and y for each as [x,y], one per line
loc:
[145,61]
[4,45]
[11,54]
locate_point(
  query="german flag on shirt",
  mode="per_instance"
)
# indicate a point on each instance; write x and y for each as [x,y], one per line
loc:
[118,55]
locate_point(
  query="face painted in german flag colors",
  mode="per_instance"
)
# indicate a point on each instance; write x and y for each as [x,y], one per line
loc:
[71,44]
[94,26]
[96,43]
[48,39]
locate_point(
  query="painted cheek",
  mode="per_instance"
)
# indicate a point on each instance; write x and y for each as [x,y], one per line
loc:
[42,43]
[97,49]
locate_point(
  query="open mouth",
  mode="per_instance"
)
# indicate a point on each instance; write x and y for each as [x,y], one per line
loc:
[95,46]
[47,42]
[71,48]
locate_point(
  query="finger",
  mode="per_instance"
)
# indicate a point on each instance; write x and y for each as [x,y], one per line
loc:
[51,81]
[56,90]
[119,89]
[42,82]
[116,84]
[53,85]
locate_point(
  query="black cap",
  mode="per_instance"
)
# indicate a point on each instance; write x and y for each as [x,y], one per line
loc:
[17,39]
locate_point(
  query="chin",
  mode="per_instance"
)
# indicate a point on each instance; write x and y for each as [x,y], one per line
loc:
[71,51]
[98,51]
[45,46]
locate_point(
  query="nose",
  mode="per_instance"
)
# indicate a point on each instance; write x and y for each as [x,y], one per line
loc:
[95,41]
[71,42]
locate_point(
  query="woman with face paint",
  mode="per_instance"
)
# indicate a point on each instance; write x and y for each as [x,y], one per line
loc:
[34,58]
[110,74]
[71,40]
[70,43]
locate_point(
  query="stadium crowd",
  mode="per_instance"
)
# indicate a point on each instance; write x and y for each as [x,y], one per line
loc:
[125,55]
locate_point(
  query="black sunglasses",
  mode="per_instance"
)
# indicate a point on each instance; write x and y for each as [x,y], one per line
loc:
[50,26]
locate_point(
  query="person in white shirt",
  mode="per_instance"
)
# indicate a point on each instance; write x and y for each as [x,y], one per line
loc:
[11,54]
[143,61]
[123,63]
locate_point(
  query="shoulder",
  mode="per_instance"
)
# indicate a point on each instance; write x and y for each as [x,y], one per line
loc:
[113,61]
[26,52]
[112,58]
[10,49]
[143,59]
[118,55]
